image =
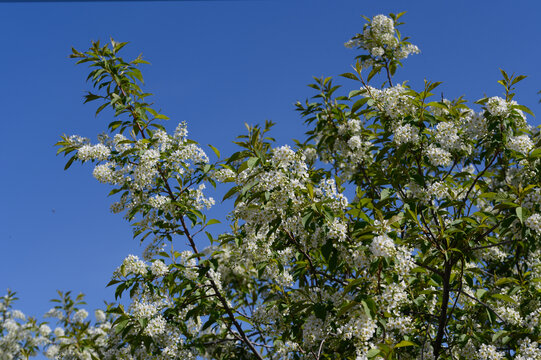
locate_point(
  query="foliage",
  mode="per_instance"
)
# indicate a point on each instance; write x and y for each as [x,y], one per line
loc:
[433,254]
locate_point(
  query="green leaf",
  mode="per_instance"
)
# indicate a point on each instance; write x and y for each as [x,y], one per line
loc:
[253,161]
[70,161]
[504,281]
[372,353]
[504,297]
[518,210]
[350,76]
[404,343]
[216,151]
[524,108]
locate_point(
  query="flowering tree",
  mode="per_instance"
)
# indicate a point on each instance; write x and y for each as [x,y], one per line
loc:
[404,227]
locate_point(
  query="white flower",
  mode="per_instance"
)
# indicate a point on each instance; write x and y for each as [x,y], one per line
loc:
[310,154]
[44,330]
[159,202]
[94,152]
[521,144]
[438,156]
[158,268]
[534,223]
[223,174]
[132,264]
[100,316]
[121,143]
[59,332]
[143,310]
[489,352]
[52,352]
[377,51]
[283,156]
[155,326]
[80,315]
[405,134]
[497,106]
[17,314]
[447,136]
[382,246]
[438,189]
[474,125]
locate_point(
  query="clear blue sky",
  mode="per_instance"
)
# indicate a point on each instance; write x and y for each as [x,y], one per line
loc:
[216,65]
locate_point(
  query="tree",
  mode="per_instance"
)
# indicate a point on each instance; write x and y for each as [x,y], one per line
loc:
[433,254]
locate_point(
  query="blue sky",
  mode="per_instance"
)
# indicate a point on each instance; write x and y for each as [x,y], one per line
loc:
[216,65]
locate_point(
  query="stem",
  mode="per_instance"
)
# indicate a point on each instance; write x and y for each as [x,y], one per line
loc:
[442,321]
[388,73]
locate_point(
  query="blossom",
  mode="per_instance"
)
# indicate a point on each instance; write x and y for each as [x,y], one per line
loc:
[447,136]
[59,331]
[534,223]
[489,352]
[438,156]
[156,326]
[521,144]
[93,152]
[44,330]
[100,316]
[405,134]
[132,264]
[80,315]
[497,106]
[158,268]
[382,245]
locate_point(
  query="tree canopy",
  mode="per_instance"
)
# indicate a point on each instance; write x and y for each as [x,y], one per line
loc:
[404,226]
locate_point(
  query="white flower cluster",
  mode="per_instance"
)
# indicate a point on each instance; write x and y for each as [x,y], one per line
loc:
[403,261]
[223,174]
[379,38]
[447,136]
[360,327]
[283,157]
[509,315]
[438,156]
[314,330]
[489,352]
[521,144]
[351,149]
[107,174]
[132,265]
[159,202]
[16,335]
[158,268]
[404,134]
[497,106]
[474,125]
[121,143]
[382,245]
[393,101]
[416,191]
[100,316]
[200,201]
[528,350]
[438,190]
[98,152]
[534,223]
[80,315]
[393,297]
[338,230]
[156,326]
[403,324]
